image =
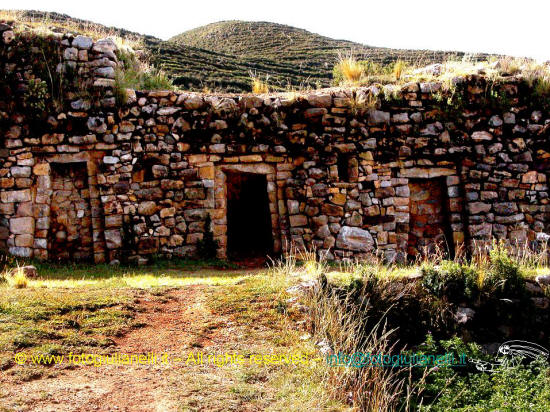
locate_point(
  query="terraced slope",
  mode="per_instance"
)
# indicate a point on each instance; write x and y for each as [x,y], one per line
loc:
[304,53]
[221,56]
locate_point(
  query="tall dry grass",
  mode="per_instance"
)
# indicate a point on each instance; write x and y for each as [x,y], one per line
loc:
[351,70]
[340,321]
[15,278]
[353,317]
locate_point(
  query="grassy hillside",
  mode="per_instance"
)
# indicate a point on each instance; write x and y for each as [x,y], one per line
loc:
[272,41]
[307,57]
[221,56]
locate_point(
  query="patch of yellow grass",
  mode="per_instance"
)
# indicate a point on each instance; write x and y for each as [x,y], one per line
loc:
[149,280]
[17,278]
[399,69]
[352,71]
[10,15]
[259,86]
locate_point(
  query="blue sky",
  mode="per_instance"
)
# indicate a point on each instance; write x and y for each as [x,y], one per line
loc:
[517,28]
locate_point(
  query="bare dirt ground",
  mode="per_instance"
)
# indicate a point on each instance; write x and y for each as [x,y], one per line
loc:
[180,324]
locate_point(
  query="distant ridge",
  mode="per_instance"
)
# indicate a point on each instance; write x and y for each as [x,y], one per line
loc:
[220,56]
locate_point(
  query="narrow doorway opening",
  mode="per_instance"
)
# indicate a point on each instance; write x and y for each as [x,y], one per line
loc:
[429,225]
[70,236]
[249,232]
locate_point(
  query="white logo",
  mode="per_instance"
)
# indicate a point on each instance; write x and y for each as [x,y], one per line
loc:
[512,353]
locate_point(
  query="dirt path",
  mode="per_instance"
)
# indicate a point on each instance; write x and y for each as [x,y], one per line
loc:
[182,323]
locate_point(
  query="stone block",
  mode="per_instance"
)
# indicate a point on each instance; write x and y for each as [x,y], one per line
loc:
[11,196]
[82,42]
[298,220]
[20,171]
[478,207]
[24,240]
[22,225]
[113,239]
[481,136]
[147,208]
[356,239]
[167,212]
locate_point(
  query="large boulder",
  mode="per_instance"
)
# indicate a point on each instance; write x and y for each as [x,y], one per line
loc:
[354,238]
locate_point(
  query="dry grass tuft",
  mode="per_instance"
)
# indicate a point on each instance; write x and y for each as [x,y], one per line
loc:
[399,69]
[16,278]
[352,71]
[259,86]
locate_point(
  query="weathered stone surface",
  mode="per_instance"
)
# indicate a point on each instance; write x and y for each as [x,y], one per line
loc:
[298,220]
[430,87]
[104,46]
[353,238]
[111,160]
[30,271]
[82,42]
[20,171]
[543,280]
[481,136]
[319,100]
[107,72]
[113,239]
[167,111]
[15,196]
[22,225]
[97,125]
[379,117]
[478,207]
[70,53]
[505,208]
[147,208]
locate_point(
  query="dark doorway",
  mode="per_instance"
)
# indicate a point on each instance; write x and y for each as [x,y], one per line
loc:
[429,226]
[70,236]
[249,232]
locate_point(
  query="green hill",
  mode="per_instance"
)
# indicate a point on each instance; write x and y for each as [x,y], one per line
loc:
[221,56]
[306,57]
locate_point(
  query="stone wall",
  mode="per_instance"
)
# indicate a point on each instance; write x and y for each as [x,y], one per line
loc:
[339,170]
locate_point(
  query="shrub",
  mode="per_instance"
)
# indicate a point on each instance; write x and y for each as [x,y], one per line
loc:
[526,387]
[451,279]
[138,74]
[504,273]
[36,95]
[207,248]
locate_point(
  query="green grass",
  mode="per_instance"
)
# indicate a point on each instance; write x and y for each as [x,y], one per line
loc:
[41,321]
[81,308]
[163,273]
[260,302]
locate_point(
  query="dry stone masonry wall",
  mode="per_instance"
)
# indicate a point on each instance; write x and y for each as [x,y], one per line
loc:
[332,172]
